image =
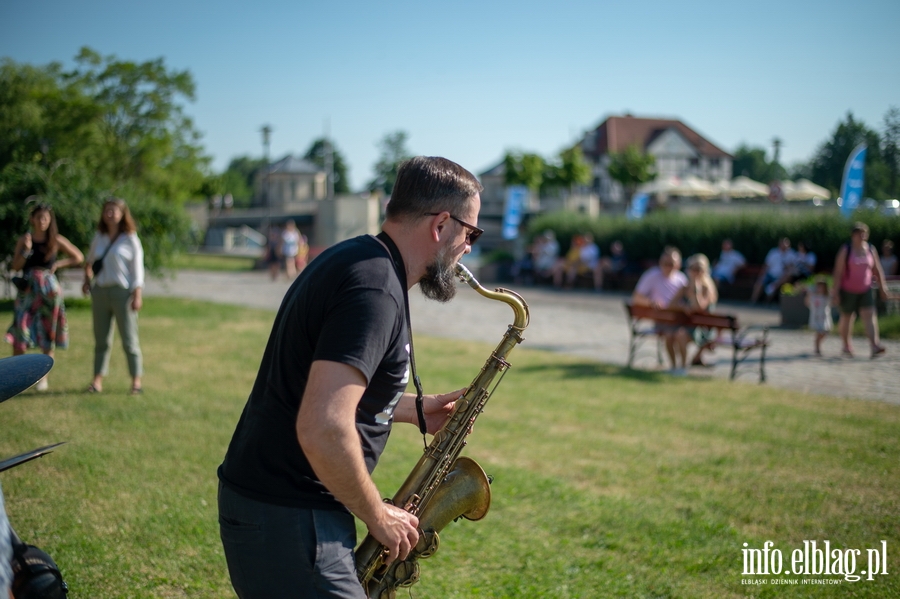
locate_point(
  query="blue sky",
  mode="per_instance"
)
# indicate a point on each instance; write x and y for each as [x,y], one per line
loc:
[470,80]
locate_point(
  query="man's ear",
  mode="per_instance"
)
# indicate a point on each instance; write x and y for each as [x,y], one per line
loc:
[438,226]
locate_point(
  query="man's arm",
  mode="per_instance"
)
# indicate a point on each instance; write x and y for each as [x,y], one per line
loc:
[641,295]
[74,255]
[23,249]
[326,430]
[437,409]
[639,299]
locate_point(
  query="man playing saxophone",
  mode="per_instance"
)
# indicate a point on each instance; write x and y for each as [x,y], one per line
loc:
[331,382]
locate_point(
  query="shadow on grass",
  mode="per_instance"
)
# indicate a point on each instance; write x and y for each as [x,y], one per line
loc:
[599,370]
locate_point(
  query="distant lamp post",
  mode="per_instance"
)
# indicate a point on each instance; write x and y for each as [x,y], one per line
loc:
[266,135]
[329,162]
[329,169]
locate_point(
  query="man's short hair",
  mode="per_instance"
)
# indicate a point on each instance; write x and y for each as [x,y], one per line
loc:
[671,250]
[431,184]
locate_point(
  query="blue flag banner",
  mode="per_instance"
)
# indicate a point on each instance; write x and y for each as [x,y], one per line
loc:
[638,206]
[512,212]
[854,177]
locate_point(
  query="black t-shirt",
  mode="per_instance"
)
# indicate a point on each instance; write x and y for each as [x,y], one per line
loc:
[39,257]
[347,306]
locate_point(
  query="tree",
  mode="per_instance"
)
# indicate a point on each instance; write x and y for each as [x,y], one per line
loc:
[40,119]
[631,168]
[107,128]
[146,136]
[891,149]
[524,169]
[568,171]
[393,152]
[317,153]
[238,179]
[827,166]
[752,163]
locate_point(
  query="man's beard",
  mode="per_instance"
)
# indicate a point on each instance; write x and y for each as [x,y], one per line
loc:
[438,282]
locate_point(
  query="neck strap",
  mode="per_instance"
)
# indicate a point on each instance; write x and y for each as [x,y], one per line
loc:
[400,268]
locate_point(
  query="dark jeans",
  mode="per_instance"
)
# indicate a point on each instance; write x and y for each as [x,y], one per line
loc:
[276,552]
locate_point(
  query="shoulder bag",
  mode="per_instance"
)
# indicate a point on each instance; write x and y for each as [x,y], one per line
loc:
[97,266]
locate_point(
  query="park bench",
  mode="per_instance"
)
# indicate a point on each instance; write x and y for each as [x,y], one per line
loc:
[642,321]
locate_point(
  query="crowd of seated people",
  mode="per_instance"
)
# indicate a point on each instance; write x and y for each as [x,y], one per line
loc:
[613,267]
[539,261]
[583,258]
[783,265]
[730,261]
[777,263]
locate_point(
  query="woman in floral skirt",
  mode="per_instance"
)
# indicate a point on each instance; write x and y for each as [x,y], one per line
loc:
[39,319]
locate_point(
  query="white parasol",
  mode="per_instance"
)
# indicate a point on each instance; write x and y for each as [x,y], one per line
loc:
[744,187]
[804,189]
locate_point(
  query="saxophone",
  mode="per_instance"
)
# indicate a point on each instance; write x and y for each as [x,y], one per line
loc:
[444,486]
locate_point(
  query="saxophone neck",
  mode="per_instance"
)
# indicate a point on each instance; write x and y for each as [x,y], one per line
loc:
[515,301]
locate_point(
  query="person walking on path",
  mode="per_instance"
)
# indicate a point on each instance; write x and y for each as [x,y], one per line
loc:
[114,278]
[39,312]
[290,248]
[273,252]
[856,268]
[330,385]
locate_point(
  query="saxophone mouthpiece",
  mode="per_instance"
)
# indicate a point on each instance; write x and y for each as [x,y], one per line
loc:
[466,276]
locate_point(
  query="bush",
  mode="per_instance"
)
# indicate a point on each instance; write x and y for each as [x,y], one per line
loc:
[753,233]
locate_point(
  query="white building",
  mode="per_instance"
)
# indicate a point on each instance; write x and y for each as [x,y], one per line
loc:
[288,181]
[679,151]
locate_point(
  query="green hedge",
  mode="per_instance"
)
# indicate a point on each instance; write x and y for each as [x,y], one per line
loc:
[753,234]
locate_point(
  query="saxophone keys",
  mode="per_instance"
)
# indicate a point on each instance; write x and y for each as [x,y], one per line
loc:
[407,573]
[428,544]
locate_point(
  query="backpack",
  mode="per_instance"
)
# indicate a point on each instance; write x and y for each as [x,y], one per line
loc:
[846,247]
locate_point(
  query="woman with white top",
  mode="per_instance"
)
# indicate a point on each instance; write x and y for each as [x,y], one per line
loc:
[115,290]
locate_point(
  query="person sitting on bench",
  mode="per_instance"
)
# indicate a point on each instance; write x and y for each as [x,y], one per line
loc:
[699,295]
[656,288]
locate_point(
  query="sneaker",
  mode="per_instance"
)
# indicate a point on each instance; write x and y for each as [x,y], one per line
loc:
[678,372]
[43,384]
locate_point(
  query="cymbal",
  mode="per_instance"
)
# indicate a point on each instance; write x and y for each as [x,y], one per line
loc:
[27,456]
[21,372]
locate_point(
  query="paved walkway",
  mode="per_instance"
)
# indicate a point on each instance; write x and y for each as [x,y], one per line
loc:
[591,325]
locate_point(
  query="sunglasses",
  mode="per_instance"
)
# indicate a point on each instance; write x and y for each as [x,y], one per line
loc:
[474,232]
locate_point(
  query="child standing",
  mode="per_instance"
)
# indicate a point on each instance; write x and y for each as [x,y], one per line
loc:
[819,303]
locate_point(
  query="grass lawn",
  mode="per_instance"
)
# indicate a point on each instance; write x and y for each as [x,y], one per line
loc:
[607,482]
